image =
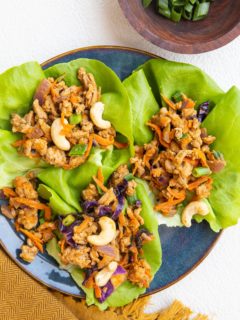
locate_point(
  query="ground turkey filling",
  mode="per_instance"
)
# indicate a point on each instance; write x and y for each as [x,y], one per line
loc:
[55,100]
[178,162]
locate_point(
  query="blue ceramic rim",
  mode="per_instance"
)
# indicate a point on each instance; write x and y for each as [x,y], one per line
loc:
[206,253]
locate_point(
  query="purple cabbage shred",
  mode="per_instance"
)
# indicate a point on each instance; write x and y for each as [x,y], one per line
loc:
[203,111]
[68,231]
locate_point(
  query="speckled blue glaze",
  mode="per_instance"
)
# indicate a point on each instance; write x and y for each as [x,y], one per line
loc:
[182,248]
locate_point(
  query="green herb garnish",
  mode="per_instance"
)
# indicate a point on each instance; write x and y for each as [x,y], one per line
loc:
[78,150]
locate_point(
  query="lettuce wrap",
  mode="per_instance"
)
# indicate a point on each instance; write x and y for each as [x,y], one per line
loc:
[126,292]
[17,87]
[166,78]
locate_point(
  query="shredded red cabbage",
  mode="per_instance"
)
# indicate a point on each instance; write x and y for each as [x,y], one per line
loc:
[138,237]
[104,211]
[89,205]
[120,192]
[203,110]
[68,231]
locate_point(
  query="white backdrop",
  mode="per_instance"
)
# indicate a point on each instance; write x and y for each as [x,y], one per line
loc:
[38,30]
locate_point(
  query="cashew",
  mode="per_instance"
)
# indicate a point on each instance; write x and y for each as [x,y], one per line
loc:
[59,140]
[96,113]
[107,234]
[103,276]
[194,207]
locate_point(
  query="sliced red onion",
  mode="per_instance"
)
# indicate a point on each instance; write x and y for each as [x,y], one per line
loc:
[121,188]
[108,250]
[138,237]
[68,232]
[42,91]
[203,110]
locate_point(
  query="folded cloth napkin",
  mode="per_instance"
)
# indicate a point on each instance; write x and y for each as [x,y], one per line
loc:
[22,298]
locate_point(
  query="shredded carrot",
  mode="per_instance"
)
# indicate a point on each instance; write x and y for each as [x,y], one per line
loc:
[168,102]
[202,158]
[74,98]
[176,194]
[18,143]
[62,119]
[8,192]
[146,161]
[100,175]
[63,241]
[37,242]
[100,184]
[194,162]
[159,133]
[135,168]
[102,141]
[196,183]
[97,291]
[89,147]
[17,226]
[121,219]
[84,224]
[35,204]
[120,145]
[168,204]
[189,102]
[90,281]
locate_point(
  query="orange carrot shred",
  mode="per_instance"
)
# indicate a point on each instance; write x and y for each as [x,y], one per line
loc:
[84,224]
[159,133]
[62,119]
[36,205]
[100,175]
[97,291]
[100,184]
[18,143]
[168,102]
[37,242]
[168,204]
[17,226]
[62,245]
[196,183]
[176,194]
[120,145]
[202,158]
[102,141]
[135,168]
[89,147]
[8,192]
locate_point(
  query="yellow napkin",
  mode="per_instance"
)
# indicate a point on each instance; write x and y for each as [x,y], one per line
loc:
[22,298]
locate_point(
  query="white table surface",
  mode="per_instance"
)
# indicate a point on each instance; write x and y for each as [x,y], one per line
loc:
[39,30]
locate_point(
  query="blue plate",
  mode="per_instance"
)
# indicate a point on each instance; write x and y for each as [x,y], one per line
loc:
[183,249]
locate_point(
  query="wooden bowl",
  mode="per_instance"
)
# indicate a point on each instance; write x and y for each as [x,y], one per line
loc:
[221,26]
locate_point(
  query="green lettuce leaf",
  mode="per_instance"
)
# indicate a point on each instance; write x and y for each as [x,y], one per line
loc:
[143,106]
[11,163]
[55,202]
[127,292]
[68,184]
[166,77]
[114,96]
[224,123]
[17,87]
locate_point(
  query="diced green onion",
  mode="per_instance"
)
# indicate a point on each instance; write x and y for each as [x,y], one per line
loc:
[217,154]
[146,3]
[129,177]
[132,199]
[175,9]
[100,192]
[41,220]
[58,234]
[185,135]
[68,220]
[201,10]
[78,150]
[75,118]
[177,97]
[201,171]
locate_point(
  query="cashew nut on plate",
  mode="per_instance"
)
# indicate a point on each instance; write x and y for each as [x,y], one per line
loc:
[96,113]
[107,234]
[59,140]
[194,207]
[103,276]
